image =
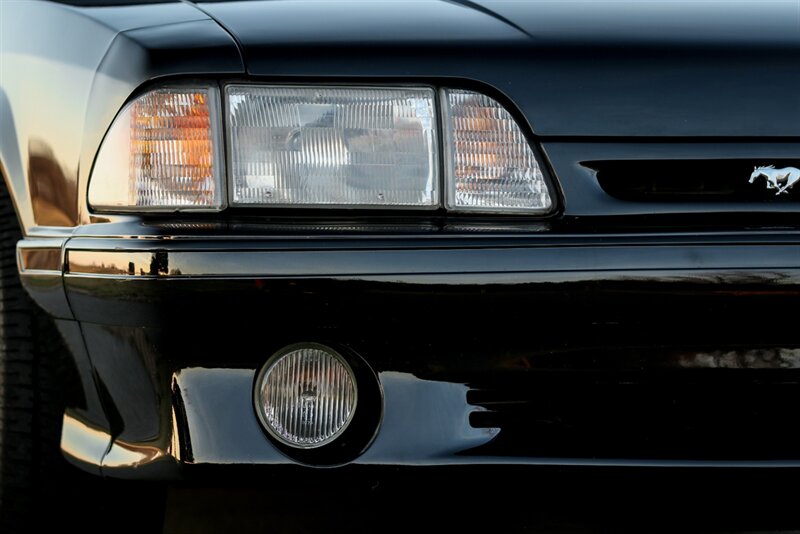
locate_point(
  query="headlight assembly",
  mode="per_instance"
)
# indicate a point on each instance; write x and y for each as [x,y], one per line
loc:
[331,146]
[317,147]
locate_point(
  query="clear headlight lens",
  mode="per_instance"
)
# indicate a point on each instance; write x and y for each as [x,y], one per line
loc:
[491,166]
[332,146]
[162,153]
[306,395]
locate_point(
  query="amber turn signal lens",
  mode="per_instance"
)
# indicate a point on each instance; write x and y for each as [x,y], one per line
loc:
[161,154]
[491,166]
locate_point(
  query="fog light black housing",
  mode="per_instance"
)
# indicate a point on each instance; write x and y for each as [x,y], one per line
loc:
[319,405]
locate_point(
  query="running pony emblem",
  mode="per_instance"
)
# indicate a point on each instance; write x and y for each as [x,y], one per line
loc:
[780,179]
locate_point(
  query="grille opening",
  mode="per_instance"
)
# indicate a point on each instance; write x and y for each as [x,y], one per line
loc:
[691,180]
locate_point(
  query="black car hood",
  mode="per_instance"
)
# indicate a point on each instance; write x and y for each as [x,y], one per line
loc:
[588,68]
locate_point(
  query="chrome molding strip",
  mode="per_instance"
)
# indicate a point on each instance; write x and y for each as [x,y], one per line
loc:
[396,262]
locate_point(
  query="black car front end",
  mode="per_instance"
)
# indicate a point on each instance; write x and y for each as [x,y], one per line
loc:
[643,318]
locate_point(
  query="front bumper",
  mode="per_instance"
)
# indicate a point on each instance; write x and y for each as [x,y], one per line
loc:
[659,349]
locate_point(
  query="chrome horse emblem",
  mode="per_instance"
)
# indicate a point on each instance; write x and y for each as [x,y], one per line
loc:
[780,179]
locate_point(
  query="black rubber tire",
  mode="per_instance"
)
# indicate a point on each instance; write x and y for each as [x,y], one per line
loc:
[31,396]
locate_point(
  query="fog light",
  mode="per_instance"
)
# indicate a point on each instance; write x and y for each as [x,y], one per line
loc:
[306,395]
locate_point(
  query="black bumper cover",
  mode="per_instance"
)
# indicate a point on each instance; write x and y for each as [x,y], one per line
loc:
[592,350]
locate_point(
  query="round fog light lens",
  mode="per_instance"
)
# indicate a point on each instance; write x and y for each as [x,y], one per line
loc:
[306,395]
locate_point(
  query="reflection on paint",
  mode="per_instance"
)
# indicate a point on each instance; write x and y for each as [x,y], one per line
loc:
[424,421]
[40,259]
[81,442]
[122,454]
[763,358]
[117,264]
[53,187]
[220,418]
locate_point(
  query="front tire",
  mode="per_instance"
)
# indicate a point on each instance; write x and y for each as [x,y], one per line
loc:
[31,402]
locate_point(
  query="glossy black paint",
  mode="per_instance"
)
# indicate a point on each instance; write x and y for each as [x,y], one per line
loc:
[406,259]
[652,68]
[88,432]
[496,340]
[485,355]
